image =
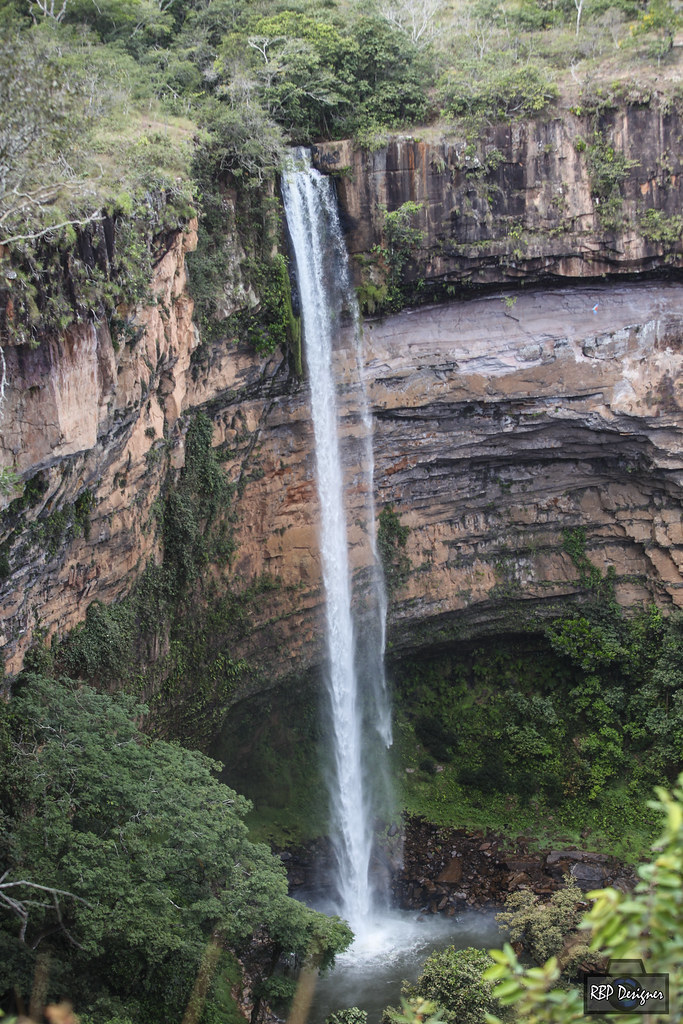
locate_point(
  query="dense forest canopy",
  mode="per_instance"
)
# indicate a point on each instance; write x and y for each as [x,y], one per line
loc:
[125,861]
[123,119]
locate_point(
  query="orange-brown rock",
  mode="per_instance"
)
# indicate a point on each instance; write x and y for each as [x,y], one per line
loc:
[499,423]
[80,414]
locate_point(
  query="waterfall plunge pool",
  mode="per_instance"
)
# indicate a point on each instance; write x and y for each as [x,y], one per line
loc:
[391,949]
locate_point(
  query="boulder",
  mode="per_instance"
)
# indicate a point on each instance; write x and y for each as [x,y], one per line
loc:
[452,873]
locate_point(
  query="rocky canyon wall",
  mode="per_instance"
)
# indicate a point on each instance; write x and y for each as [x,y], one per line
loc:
[499,432]
[573,196]
[83,417]
[502,424]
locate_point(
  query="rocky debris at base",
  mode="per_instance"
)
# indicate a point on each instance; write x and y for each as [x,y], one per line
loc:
[449,869]
[445,870]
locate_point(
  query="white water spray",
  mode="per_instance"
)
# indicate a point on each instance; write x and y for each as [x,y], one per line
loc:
[359,709]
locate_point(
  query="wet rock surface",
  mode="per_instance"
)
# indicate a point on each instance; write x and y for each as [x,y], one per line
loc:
[447,870]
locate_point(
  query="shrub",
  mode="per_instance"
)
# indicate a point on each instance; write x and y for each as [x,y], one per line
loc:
[391,542]
[493,89]
[454,980]
[642,925]
[350,1016]
[543,928]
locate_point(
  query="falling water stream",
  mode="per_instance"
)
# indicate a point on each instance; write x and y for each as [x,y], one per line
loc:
[352,660]
[388,944]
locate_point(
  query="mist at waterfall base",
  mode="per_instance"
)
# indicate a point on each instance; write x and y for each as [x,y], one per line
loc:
[389,945]
[370,974]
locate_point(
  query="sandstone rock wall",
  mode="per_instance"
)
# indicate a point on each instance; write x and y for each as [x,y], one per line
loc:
[81,415]
[499,422]
[496,429]
[521,202]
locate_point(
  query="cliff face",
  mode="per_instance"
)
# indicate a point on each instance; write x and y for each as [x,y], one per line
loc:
[499,431]
[500,422]
[83,418]
[561,198]
[502,430]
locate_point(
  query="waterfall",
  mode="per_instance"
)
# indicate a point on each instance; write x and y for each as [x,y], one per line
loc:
[356,688]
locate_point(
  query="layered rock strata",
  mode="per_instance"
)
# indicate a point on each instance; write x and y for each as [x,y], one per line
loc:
[85,416]
[500,424]
[499,430]
[572,195]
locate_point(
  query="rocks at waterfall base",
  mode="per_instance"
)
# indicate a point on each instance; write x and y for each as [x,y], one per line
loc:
[447,870]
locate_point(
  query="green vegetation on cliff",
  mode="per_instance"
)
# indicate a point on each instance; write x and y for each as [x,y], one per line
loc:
[558,734]
[170,639]
[121,120]
[644,925]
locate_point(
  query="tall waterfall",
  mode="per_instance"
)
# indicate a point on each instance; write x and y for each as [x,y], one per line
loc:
[358,704]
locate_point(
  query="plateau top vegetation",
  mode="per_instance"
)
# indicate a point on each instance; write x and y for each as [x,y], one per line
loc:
[137,109]
[123,120]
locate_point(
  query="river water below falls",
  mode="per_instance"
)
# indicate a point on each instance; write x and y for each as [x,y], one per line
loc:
[391,949]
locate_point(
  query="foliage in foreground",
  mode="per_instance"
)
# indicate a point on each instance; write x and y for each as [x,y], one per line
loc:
[125,861]
[548,929]
[452,989]
[472,987]
[644,925]
[453,980]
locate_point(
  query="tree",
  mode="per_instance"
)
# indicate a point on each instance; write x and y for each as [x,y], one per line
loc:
[49,9]
[579,9]
[413,17]
[453,983]
[644,925]
[124,857]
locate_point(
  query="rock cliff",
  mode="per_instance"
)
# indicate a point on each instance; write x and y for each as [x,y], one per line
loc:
[579,195]
[82,417]
[502,424]
[498,430]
